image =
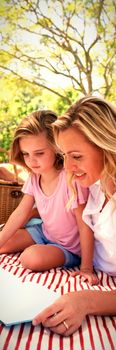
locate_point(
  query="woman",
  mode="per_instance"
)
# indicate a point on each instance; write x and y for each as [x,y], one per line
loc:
[86,135]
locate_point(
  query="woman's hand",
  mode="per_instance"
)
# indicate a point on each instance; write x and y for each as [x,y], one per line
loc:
[87,276]
[65,316]
[67,313]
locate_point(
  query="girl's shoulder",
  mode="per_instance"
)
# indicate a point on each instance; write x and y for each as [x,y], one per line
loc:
[31,181]
[83,192]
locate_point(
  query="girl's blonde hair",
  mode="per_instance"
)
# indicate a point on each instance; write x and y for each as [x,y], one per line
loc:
[34,124]
[96,119]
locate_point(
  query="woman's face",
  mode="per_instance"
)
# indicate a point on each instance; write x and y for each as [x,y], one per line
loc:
[82,158]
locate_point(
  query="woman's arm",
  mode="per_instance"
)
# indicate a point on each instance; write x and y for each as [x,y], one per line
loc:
[80,304]
[6,175]
[17,219]
[87,248]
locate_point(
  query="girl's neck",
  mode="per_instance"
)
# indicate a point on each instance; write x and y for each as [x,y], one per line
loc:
[48,181]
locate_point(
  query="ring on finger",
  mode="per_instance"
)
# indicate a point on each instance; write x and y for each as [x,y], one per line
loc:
[64,322]
[65,325]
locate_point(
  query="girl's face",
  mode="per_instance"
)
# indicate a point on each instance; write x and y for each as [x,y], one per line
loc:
[82,158]
[38,155]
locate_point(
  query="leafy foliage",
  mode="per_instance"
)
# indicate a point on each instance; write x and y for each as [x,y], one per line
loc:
[72,42]
[51,53]
[17,100]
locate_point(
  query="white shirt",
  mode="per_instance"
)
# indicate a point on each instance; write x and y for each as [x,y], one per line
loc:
[103,224]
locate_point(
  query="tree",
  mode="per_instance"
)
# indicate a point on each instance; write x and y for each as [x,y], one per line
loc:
[73,40]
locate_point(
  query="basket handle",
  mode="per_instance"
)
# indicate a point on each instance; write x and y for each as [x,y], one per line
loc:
[15,172]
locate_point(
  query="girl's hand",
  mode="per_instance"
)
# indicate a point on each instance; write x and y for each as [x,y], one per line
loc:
[86,275]
[66,315]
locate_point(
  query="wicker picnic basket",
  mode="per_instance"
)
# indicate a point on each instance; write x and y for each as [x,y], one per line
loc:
[10,196]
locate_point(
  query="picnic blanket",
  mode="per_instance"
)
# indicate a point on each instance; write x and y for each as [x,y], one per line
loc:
[96,332]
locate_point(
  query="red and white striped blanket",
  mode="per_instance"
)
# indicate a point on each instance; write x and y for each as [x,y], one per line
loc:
[96,333]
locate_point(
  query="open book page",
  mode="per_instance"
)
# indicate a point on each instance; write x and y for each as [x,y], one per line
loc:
[21,302]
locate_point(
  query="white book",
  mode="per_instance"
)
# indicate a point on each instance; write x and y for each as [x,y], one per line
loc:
[22,301]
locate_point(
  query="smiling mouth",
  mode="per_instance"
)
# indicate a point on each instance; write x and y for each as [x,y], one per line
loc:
[79,175]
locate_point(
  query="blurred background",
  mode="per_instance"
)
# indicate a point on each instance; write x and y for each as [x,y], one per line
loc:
[52,53]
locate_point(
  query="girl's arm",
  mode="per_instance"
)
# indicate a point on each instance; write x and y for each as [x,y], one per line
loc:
[87,248]
[17,219]
[34,213]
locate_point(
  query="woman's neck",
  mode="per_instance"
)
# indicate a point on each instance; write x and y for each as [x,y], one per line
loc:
[110,188]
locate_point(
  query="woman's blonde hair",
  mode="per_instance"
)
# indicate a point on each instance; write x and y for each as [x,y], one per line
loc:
[34,124]
[96,119]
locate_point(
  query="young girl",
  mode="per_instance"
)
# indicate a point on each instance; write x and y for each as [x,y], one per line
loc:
[55,241]
[86,134]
